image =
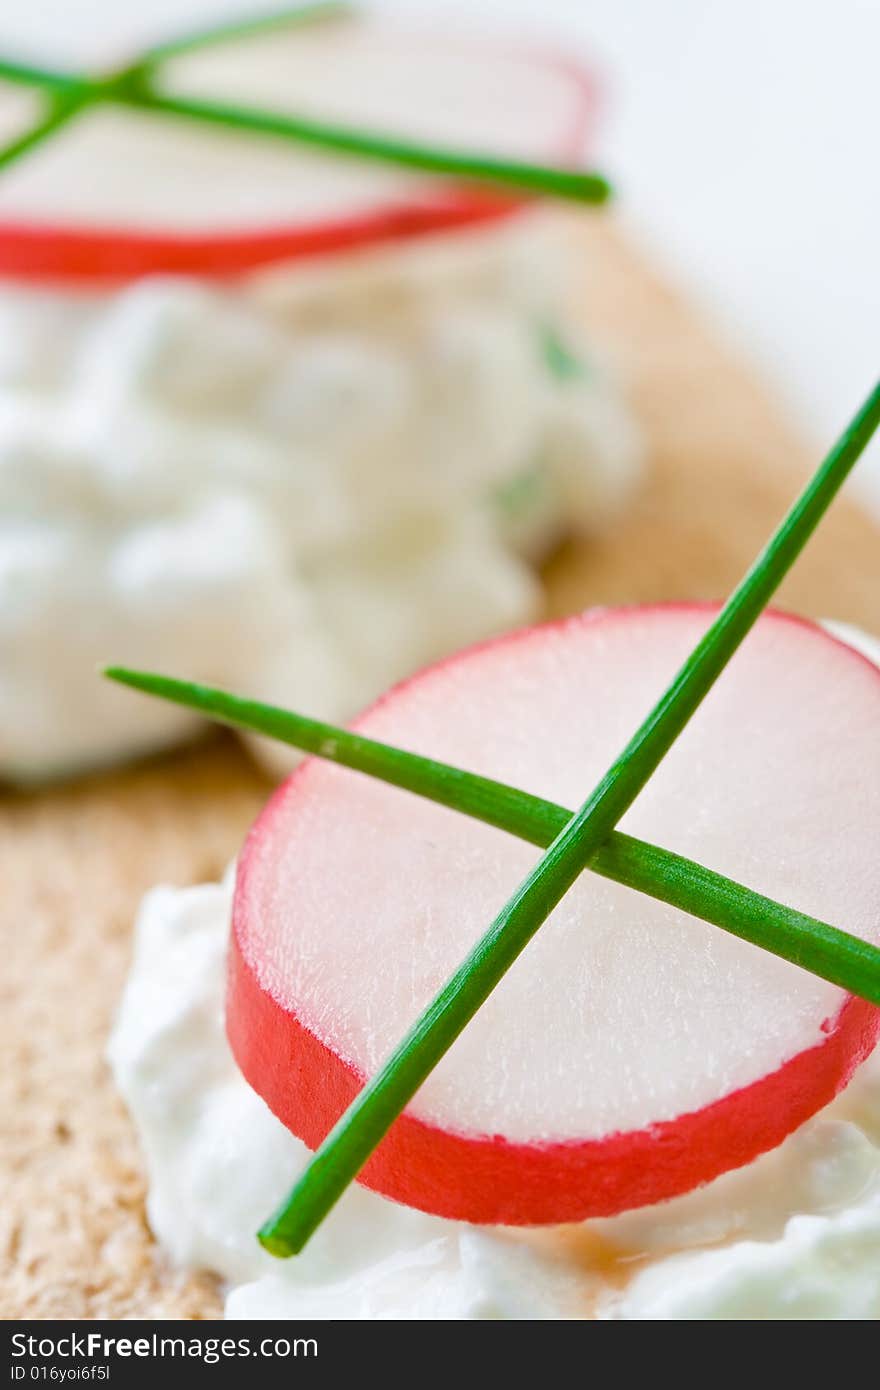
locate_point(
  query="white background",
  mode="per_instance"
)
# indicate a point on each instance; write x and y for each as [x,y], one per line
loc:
[743,138]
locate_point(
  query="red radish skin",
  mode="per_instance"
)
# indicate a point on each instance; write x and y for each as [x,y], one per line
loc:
[33,251]
[107,255]
[487,1178]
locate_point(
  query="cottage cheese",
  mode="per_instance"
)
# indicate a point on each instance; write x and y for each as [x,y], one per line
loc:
[795,1234]
[303,488]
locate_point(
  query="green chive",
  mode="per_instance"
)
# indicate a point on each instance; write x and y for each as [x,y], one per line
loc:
[28,75]
[558,357]
[815,946]
[60,110]
[583,186]
[288,17]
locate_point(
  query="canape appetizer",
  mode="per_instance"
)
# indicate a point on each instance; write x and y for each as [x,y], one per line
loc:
[262,400]
[603,1105]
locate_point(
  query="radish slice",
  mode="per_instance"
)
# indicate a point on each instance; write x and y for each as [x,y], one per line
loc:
[632,1052]
[121,193]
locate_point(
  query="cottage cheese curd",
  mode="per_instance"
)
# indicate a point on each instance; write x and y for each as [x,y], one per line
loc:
[796,1234]
[306,481]
[304,492]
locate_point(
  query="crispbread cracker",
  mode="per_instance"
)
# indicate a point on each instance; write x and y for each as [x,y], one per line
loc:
[73,864]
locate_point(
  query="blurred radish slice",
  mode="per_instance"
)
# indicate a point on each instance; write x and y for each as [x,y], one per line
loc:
[121,193]
[632,1052]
